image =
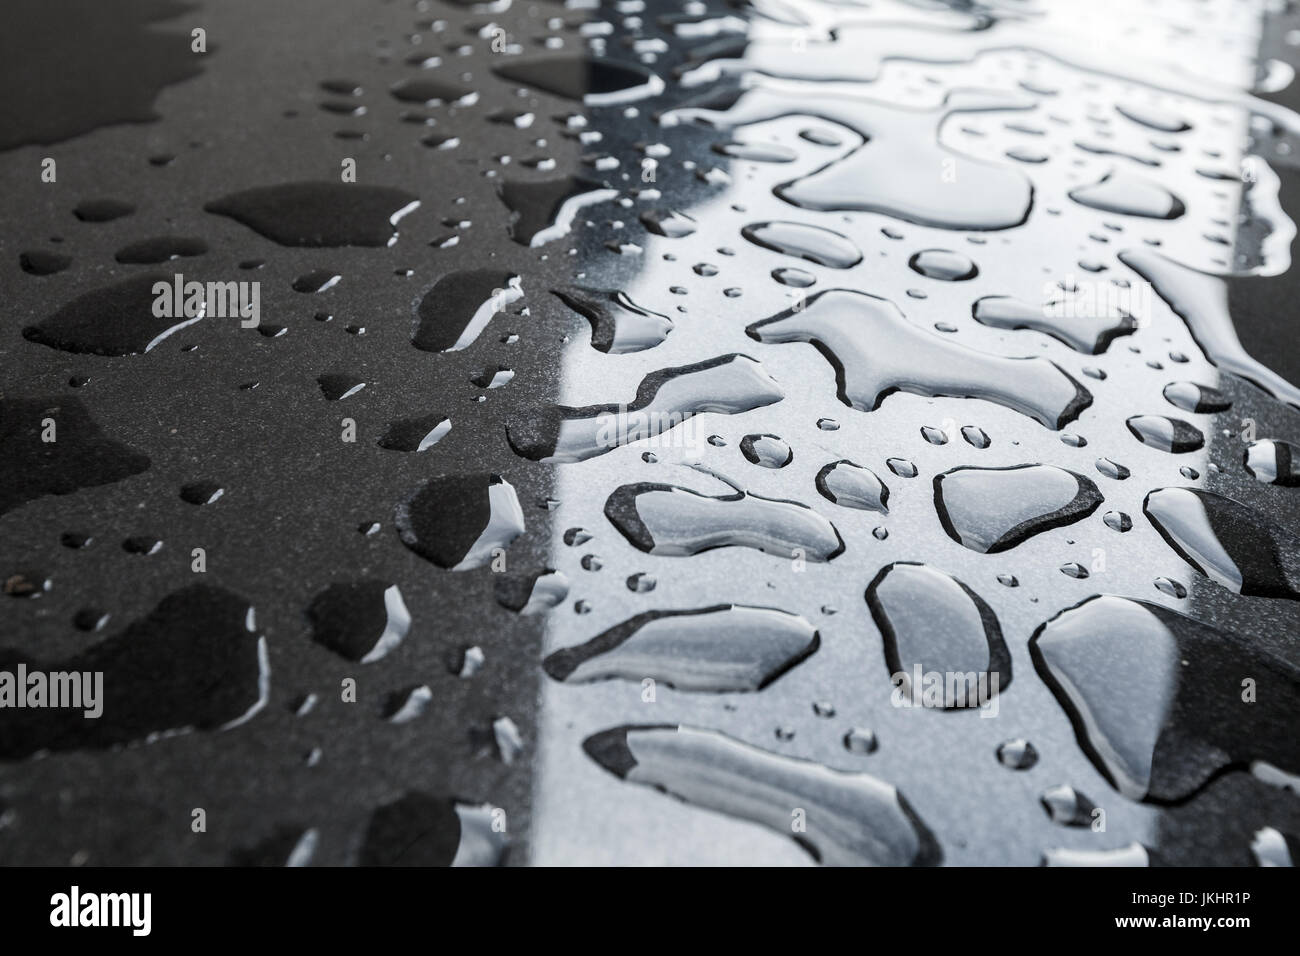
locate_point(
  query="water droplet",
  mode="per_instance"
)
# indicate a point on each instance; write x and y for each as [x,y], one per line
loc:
[994,509]
[194,663]
[1131,195]
[1112,469]
[853,486]
[81,458]
[142,544]
[1085,326]
[725,648]
[431,91]
[1274,462]
[336,386]
[160,249]
[1165,715]
[460,521]
[943,264]
[1201,399]
[1235,545]
[932,624]
[641,582]
[544,210]
[1271,847]
[1153,117]
[1134,854]
[595,81]
[406,705]
[1201,301]
[1171,587]
[493,377]
[1167,434]
[113,320]
[666,519]
[853,818]
[726,385]
[534,593]
[768,451]
[418,829]
[362,621]
[458,308]
[813,243]
[39,262]
[848,327]
[893,172]
[757,152]
[470,661]
[510,743]
[1017,754]
[668,223]
[795,278]
[618,325]
[415,434]
[318,280]
[1117,521]
[1067,806]
[201,492]
[102,210]
[319,214]
[861,740]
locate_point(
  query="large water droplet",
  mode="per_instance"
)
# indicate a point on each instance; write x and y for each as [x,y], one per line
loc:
[1235,545]
[813,243]
[849,328]
[724,648]
[453,313]
[943,264]
[994,509]
[943,644]
[1168,434]
[618,325]
[1155,696]
[726,385]
[360,620]
[769,451]
[82,457]
[194,662]
[1131,195]
[114,320]
[319,214]
[1274,462]
[460,521]
[852,818]
[667,519]
[853,486]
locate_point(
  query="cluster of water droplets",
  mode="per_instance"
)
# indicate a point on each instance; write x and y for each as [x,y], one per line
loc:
[788,337]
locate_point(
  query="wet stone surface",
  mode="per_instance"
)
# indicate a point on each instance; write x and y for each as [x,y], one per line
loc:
[455,442]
